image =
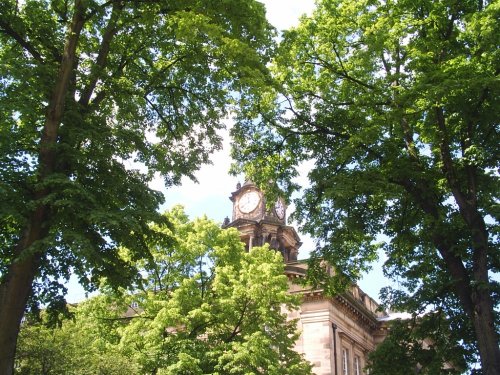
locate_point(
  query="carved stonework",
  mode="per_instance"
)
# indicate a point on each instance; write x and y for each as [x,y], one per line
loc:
[258,225]
[366,319]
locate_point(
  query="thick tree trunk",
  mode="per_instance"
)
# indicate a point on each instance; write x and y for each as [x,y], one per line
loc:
[477,303]
[470,287]
[14,293]
[17,283]
[479,297]
[16,287]
[486,335]
[483,314]
[475,298]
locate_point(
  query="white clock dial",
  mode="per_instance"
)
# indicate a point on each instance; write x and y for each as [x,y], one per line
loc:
[249,202]
[279,208]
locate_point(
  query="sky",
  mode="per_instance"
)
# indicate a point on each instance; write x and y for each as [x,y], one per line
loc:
[210,195]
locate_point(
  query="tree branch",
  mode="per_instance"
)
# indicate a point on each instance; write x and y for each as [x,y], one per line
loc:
[58,97]
[320,129]
[122,318]
[160,114]
[236,329]
[101,61]
[8,30]
[342,73]
[429,205]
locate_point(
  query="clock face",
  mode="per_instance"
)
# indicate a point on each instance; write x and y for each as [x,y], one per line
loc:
[249,202]
[279,208]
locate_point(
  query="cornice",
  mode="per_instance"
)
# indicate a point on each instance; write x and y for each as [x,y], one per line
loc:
[343,301]
[356,311]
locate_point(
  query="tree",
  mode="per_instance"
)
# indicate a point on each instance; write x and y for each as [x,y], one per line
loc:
[39,351]
[85,343]
[203,306]
[411,345]
[96,98]
[209,307]
[396,103]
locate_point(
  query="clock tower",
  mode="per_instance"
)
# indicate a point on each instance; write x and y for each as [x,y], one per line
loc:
[336,332]
[259,224]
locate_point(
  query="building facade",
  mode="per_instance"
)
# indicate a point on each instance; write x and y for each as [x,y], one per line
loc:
[337,333]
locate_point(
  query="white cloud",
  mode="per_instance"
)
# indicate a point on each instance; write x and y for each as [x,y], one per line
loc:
[210,195]
[285,13]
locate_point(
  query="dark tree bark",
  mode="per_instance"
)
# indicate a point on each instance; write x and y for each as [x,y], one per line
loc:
[16,287]
[478,303]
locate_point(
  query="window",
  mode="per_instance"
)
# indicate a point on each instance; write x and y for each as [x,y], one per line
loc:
[357,366]
[345,361]
[134,305]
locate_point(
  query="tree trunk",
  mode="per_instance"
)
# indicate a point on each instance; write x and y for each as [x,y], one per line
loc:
[478,305]
[479,296]
[486,335]
[471,288]
[476,301]
[16,287]
[17,283]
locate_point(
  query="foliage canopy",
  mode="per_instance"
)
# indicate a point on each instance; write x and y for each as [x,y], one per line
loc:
[97,98]
[204,306]
[396,104]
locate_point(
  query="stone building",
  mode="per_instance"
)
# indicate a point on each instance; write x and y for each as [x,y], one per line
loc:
[336,333]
